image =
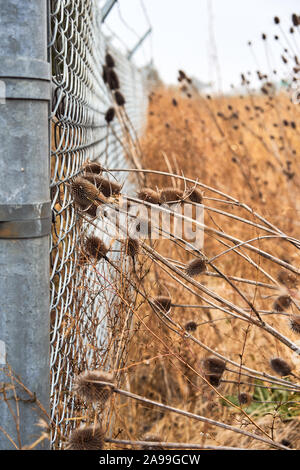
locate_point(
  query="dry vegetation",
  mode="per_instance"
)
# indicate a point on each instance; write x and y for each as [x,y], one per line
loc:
[236,156]
[202,344]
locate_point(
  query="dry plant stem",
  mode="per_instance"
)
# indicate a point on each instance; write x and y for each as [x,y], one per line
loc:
[170,445]
[9,438]
[288,387]
[258,386]
[199,418]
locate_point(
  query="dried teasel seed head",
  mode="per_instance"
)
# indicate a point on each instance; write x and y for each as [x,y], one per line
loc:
[213,379]
[182,74]
[287,278]
[109,115]
[281,303]
[149,437]
[95,247]
[213,365]
[245,398]
[107,188]
[105,72]
[87,388]
[164,303]
[195,195]
[286,443]
[120,100]
[93,167]
[149,195]
[294,322]
[109,60]
[86,438]
[295,19]
[132,247]
[195,267]
[191,326]
[280,366]
[113,80]
[84,192]
[171,195]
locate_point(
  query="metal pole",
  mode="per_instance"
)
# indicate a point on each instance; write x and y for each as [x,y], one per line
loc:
[139,43]
[24,218]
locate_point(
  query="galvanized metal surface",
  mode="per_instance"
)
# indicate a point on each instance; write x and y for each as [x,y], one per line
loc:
[80,133]
[24,182]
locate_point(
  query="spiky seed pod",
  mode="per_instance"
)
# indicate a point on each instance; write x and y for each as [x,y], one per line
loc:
[95,247]
[85,193]
[132,247]
[213,365]
[109,115]
[195,267]
[152,438]
[245,398]
[85,386]
[108,188]
[149,195]
[285,443]
[171,195]
[283,302]
[93,167]
[287,278]
[191,326]
[182,75]
[109,60]
[105,72]
[294,322]
[113,80]
[86,438]
[196,195]
[164,303]
[120,100]
[213,379]
[295,19]
[280,366]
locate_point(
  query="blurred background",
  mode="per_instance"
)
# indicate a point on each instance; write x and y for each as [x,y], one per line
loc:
[206,38]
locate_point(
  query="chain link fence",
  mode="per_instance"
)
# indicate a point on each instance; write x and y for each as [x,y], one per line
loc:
[81,329]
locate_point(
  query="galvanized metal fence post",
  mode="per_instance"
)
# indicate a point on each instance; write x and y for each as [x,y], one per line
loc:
[24,219]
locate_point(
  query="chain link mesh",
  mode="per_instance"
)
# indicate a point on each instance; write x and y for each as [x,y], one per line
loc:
[80,99]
